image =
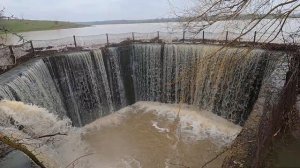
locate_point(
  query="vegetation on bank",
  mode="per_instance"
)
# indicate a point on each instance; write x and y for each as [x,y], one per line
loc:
[17,25]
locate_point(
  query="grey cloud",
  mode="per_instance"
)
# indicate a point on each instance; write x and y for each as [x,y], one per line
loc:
[89,10]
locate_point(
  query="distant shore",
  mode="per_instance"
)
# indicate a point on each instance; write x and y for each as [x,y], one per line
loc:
[110,22]
[17,26]
[168,20]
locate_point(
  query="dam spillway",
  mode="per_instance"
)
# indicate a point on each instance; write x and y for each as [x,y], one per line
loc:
[195,81]
[87,85]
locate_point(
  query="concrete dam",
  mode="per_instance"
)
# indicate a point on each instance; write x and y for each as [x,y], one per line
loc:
[207,92]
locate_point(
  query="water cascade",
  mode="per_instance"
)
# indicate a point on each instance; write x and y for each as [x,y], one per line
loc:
[196,82]
[82,81]
[87,85]
[115,78]
[31,83]
[226,82]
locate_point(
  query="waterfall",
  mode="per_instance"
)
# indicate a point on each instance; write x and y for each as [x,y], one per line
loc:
[82,81]
[229,82]
[115,78]
[31,83]
[87,85]
[147,65]
[226,82]
[74,85]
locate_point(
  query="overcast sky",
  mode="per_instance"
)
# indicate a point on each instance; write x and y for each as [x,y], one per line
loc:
[90,10]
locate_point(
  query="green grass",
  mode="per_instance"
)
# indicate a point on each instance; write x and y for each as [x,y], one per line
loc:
[17,26]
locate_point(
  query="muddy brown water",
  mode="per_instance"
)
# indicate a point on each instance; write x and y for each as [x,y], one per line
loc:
[149,140]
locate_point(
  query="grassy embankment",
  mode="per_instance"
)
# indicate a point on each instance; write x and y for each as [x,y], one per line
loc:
[17,26]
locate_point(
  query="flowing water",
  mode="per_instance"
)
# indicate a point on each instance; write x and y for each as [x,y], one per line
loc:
[87,85]
[226,82]
[77,89]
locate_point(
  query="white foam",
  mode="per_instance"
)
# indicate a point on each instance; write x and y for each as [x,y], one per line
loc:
[194,124]
[155,125]
[36,121]
[26,123]
[130,162]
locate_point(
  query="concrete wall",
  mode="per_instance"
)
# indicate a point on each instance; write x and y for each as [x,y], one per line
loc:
[268,117]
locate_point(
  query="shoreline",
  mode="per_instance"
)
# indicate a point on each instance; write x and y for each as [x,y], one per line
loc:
[21,26]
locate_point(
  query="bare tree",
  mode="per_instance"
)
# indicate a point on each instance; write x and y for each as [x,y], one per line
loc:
[19,137]
[19,146]
[1,14]
[4,30]
[266,16]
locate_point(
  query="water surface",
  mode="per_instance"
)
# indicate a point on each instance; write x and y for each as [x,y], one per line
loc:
[158,135]
[216,31]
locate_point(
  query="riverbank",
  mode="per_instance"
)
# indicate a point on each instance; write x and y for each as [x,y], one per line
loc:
[17,26]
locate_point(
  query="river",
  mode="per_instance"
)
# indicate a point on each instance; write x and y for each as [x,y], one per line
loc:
[216,31]
[93,30]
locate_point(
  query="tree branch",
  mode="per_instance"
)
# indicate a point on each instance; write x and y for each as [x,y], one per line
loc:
[14,144]
[73,162]
[51,135]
